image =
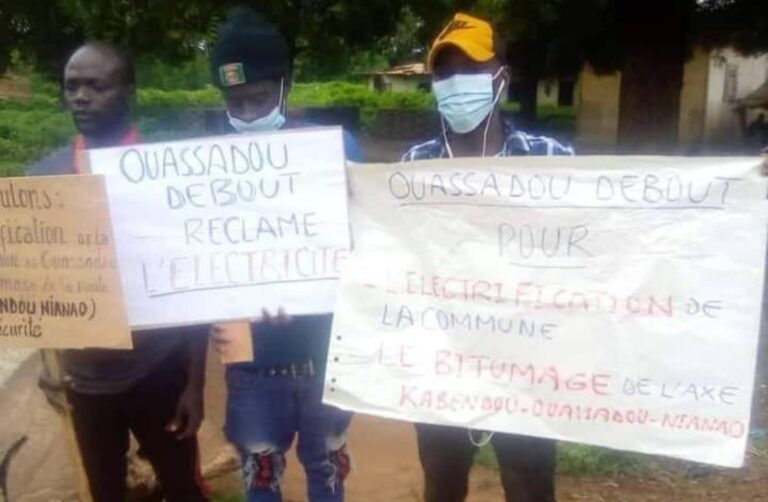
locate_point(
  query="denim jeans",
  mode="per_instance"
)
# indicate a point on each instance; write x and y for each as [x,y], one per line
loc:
[265,413]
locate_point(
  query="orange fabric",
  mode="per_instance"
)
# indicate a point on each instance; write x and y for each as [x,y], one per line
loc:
[80,161]
[471,35]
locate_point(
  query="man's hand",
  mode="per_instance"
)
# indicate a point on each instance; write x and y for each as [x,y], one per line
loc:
[189,413]
[224,336]
[277,320]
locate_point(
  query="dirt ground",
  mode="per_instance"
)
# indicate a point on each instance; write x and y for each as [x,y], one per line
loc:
[13,87]
[386,469]
[386,466]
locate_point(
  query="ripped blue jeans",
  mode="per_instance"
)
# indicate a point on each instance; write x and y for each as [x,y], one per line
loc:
[264,414]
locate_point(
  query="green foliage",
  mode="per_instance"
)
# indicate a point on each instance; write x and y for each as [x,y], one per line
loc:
[323,32]
[406,43]
[357,95]
[230,498]
[360,63]
[188,75]
[582,460]
[25,134]
[487,457]
[31,129]
[742,24]
[150,100]
[323,94]
[9,169]
[348,94]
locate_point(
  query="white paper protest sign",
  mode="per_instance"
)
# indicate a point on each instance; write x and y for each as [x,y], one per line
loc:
[219,228]
[613,301]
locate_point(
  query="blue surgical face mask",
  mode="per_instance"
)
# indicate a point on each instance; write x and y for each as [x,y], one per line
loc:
[273,121]
[464,101]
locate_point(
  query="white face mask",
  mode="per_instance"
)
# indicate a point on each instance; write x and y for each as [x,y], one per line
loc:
[273,121]
[464,101]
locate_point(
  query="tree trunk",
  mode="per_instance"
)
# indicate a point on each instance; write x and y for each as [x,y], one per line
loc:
[5,42]
[655,43]
[529,86]
[526,59]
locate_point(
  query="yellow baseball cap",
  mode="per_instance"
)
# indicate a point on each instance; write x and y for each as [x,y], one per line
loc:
[471,35]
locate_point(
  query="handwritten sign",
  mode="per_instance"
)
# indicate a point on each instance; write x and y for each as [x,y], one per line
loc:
[606,300]
[219,228]
[59,285]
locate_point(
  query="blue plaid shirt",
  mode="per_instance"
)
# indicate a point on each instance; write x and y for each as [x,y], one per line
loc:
[517,143]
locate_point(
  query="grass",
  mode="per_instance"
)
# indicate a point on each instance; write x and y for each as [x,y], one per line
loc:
[583,460]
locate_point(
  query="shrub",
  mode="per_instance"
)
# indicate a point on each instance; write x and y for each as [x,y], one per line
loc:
[30,129]
[583,460]
[27,134]
[157,100]
[192,74]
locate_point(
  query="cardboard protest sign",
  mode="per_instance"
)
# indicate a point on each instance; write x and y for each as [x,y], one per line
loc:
[218,228]
[59,284]
[606,300]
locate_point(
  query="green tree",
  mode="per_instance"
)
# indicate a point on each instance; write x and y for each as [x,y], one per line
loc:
[652,71]
[321,30]
[648,41]
[406,40]
[654,39]
[38,31]
[545,38]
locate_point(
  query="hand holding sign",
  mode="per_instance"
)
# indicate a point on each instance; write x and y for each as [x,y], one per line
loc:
[595,299]
[212,228]
[233,341]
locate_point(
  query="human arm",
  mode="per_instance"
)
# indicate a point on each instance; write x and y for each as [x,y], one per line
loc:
[190,406]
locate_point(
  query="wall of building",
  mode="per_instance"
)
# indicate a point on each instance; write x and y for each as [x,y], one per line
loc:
[597,121]
[712,83]
[547,92]
[693,99]
[731,77]
[555,93]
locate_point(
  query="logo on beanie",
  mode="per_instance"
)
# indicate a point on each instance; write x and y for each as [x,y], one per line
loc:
[232,74]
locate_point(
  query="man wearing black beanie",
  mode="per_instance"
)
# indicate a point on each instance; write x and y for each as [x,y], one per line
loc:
[279,394]
[250,63]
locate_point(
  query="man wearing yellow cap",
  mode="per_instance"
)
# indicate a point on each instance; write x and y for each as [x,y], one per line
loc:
[467,62]
[469,78]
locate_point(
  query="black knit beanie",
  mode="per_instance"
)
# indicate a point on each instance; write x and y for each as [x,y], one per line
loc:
[248,49]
